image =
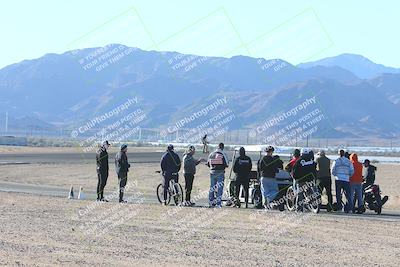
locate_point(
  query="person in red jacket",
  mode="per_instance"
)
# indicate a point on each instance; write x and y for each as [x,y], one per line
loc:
[356,184]
[296,156]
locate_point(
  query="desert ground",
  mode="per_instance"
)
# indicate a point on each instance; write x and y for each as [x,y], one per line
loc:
[43,230]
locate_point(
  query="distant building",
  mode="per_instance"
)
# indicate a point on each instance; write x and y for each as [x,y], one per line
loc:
[13,141]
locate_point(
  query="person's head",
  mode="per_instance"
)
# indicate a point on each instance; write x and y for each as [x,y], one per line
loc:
[191,150]
[296,153]
[367,162]
[170,147]
[124,147]
[221,146]
[105,144]
[269,150]
[347,155]
[242,151]
[306,152]
[353,157]
[341,152]
[321,153]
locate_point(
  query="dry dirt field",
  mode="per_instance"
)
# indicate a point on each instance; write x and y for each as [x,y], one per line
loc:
[47,231]
[52,231]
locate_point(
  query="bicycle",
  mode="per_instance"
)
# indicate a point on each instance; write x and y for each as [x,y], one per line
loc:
[311,197]
[174,191]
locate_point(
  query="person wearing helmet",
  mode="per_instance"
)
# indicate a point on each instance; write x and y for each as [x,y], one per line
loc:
[296,156]
[304,172]
[189,170]
[242,168]
[102,170]
[122,168]
[170,166]
[324,180]
[342,170]
[217,162]
[268,167]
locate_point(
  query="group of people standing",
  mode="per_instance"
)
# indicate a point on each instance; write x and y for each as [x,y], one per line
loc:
[121,168]
[303,167]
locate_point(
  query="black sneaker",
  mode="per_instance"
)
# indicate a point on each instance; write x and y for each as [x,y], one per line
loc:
[122,201]
[104,200]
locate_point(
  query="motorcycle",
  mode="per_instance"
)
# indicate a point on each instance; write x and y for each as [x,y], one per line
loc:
[373,199]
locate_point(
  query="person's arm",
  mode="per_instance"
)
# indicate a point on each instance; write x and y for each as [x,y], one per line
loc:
[333,169]
[250,165]
[163,163]
[351,169]
[236,166]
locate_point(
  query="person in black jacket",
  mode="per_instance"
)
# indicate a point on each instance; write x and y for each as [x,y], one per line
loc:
[170,166]
[102,170]
[242,168]
[122,168]
[304,173]
[267,168]
[369,176]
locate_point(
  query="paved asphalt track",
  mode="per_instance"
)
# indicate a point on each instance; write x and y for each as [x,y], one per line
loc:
[54,191]
[71,158]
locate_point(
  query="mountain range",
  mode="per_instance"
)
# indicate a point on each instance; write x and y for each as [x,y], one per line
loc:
[358,98]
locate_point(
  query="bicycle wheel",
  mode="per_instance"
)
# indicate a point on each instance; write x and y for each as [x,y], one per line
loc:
[313,200]
[160,194]
[290,199]
[178,197]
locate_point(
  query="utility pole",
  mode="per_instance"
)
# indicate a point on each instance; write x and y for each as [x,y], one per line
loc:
[6,121]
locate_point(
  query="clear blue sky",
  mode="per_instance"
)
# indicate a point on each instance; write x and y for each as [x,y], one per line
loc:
[293,30]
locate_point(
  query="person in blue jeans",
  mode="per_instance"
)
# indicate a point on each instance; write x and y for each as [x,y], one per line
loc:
[217,162]
[268,167]
[342,170]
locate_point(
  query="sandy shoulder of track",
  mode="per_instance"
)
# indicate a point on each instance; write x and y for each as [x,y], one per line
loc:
[67,175]
[46,231]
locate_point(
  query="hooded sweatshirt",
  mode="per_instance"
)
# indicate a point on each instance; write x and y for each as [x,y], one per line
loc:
[358,168]
[242,166]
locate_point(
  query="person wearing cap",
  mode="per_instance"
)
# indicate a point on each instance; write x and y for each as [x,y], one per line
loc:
[102,170]
[242,168]
[304,172]
[268,167]
[189,170]
[170,167]
[342,169]
[324,180]
[217,162]
[122,168]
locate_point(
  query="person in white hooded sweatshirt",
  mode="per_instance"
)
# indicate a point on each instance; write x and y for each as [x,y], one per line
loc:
[342,170]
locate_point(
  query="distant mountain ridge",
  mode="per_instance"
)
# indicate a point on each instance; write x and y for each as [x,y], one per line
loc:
[361,66]
[60,89]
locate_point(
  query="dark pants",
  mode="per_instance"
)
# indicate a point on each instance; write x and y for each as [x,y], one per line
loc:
[189,177]
[345,186]
[244,181]
[166,178]
[101,183]
[122,179]
[326,183]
